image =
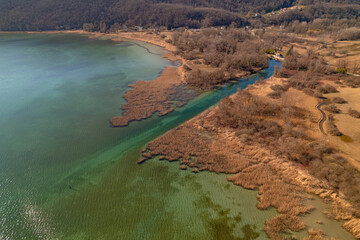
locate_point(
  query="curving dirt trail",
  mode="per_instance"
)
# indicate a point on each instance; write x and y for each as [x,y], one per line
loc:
[322,119]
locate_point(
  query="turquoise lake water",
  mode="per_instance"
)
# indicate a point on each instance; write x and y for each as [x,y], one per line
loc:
[57,94]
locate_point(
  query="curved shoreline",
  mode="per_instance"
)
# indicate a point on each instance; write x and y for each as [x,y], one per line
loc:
[130,39]
[144,98]
[160,95]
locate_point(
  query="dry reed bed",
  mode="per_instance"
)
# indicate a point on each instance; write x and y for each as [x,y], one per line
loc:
[236,137]
[197,150]
[148,97]
[218,153]
[161,95]
[281,223]
[206,147]
[316,235]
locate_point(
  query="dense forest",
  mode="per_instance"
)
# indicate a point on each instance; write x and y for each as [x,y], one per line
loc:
[70,14]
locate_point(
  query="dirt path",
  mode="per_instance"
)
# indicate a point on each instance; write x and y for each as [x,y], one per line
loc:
[322,119]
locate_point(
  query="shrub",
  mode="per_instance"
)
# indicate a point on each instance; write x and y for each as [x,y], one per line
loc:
[303,80]
[332,128]
[275,94]
[330,88]
[213,58]
[277,87]
[286,73]
[270,51]
[352,81]
[354,113]
[205,80]
[349,34]
[277,91]
[321,89]
[340,174]
[332,108]
[327,88]
[308,91]
[318,95]
[342,70]
[339,100]
[191,55]
[305,62]
[279,224]
[186,68]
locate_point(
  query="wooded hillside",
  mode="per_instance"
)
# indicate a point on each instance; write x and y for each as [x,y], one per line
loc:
[72,14]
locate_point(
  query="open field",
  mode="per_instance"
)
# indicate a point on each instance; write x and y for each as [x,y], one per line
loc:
[343,53]
[336,53]
[348,125]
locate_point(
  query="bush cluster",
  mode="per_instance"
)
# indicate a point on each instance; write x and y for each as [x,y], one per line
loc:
[206,80]
[230,50]
[339,100]
[332,108]
[342,70]
[354,113]
[331,127]
[277,91]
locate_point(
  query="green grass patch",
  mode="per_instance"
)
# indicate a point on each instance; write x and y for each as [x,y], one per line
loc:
[346,138]
[342,70]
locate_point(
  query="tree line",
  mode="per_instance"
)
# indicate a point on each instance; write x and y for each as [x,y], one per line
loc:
[218,55]
[70,14]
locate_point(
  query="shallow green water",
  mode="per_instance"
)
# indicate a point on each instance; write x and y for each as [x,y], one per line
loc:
[57,93]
